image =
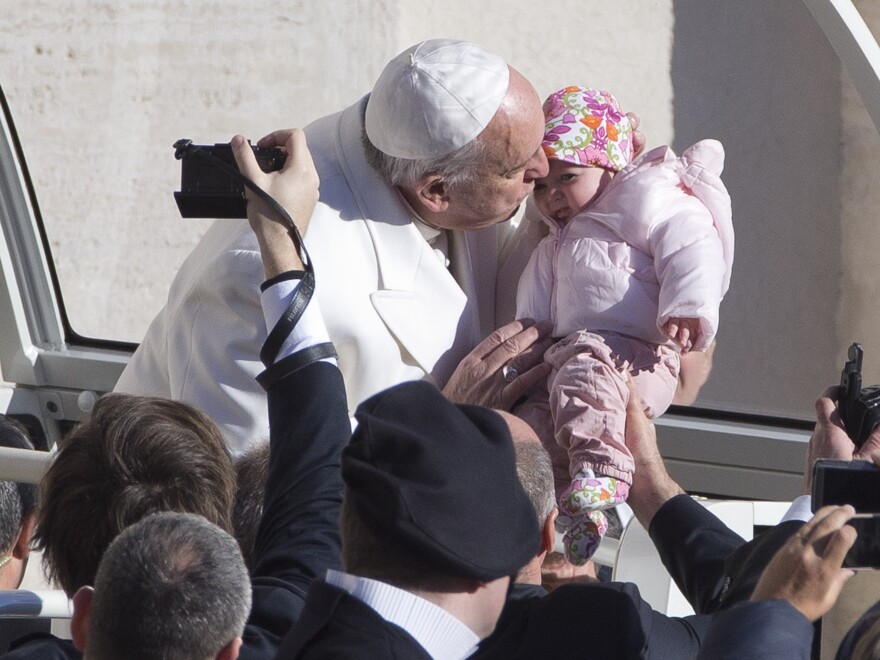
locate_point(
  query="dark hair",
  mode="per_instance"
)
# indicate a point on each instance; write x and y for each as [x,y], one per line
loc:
[172,586]
[251,472]
[16,499]
[133,457]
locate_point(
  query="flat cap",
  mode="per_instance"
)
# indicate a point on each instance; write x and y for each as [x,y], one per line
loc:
[439,480]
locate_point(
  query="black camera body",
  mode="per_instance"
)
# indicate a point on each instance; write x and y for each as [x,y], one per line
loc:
[859,408]
[207,190]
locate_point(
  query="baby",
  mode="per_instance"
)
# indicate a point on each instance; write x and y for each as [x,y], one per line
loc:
[632,272]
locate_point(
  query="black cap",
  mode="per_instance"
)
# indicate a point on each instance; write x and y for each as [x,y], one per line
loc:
[439,480]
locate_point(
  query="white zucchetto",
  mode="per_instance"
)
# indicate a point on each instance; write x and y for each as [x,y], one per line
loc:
[435,97]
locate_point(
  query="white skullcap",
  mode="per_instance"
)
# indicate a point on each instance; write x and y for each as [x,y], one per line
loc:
[435,97]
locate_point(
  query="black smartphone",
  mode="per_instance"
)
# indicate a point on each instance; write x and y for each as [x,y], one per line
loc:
[846,482]
[865,552]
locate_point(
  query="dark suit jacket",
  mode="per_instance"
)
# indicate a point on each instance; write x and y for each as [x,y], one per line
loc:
[593,621]
[585,620]
[762,630]
[298,538]
[336,625]
[611,620]
[710,564]
[718,574]
[299,532]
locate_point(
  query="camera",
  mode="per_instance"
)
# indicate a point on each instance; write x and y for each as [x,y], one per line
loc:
[856,483]
[207,188]
[859,408]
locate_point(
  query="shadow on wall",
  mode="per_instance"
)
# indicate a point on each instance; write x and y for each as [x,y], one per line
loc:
[761,77]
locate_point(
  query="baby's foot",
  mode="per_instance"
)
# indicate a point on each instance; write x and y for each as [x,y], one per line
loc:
[583,535]
[588,492]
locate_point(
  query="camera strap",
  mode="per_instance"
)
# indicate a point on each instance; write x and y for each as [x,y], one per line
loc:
[275,371]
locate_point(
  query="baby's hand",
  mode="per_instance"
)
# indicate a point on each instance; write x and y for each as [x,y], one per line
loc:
[684,332]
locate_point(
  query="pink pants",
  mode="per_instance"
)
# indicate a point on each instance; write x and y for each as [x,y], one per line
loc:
[580,415]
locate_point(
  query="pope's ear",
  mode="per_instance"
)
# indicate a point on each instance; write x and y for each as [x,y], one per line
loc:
[433,192]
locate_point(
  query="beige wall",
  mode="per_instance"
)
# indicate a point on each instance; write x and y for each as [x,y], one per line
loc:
[859,185]
[100,91]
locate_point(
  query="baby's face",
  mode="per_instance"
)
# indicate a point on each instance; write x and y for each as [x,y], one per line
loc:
[568,189]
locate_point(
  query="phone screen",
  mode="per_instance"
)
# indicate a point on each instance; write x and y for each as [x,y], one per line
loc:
[865,552]
[844,482]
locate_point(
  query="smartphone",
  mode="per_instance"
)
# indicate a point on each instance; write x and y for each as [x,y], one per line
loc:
[865,552]
[846,482]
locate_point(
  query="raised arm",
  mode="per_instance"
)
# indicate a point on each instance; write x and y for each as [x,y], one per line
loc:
[692,542]
[298,538]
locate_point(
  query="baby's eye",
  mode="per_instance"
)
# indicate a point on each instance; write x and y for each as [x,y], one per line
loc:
[568,176]
[540,186]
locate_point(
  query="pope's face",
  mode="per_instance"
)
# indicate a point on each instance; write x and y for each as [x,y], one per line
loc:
[513,160]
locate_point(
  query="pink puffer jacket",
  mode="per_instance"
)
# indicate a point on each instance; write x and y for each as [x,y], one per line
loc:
[656,244]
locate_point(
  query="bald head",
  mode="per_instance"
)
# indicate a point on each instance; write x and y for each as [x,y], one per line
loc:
[519,430]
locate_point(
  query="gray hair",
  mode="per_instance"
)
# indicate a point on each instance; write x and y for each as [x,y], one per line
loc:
[535,473]
[457,167]
[172,586]
[16,499]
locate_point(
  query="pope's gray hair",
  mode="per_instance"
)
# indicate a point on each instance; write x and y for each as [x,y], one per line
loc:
[460,166]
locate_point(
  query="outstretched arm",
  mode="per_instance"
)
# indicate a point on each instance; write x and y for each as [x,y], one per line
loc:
[799,585]
[692,542]
[298,537]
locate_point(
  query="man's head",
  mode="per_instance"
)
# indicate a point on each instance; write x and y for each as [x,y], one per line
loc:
[433,504]
[133,457]
[458,131]
[535,472]
[17,511]
[172,586]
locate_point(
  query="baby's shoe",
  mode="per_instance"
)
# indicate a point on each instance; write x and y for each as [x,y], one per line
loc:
[582,535]
[587,493]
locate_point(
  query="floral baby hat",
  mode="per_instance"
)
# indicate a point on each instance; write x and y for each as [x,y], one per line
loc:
[585,126]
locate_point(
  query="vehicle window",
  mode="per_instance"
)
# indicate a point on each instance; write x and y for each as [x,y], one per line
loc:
[100,91]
